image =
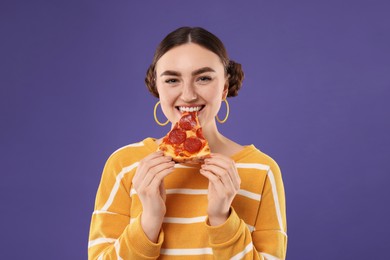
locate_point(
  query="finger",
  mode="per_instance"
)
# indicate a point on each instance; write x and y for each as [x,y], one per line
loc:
[154,171]
[156,159]
[220,156]
[220,160]
[159,178]
[215,182]
[152,156]
[222,174]
[222,167]
[228,164]
[149,162]
[144,162]
[211,177]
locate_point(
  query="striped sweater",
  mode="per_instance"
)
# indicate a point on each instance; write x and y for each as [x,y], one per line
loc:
[255,229]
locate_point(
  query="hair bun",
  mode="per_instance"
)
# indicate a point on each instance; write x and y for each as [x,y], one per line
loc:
[236,76]
[150,81]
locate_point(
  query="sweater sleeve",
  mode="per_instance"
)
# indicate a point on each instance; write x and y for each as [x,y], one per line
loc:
[270,234]
[114,234]
[268,241]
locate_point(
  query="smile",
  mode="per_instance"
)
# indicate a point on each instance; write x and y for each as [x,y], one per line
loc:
[189,109]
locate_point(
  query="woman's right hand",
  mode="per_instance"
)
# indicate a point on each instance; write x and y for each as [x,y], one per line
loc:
[148,181]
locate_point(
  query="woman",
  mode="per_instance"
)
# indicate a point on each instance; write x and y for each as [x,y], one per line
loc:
[232,206]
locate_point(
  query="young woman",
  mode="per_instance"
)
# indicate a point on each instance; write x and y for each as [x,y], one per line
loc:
[232,206]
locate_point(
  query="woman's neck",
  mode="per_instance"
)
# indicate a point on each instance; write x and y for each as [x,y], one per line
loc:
[219,143]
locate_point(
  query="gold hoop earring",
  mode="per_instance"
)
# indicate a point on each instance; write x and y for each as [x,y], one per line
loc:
[155,115]
[227,113]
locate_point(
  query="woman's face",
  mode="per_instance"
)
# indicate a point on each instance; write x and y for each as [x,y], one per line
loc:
[190,78]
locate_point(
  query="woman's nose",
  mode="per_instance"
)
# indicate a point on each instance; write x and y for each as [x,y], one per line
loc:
[188,93]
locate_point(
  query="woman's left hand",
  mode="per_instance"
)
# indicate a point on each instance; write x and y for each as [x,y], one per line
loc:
[224,183]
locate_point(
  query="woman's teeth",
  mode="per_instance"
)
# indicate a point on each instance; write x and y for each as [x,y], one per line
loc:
[189,109]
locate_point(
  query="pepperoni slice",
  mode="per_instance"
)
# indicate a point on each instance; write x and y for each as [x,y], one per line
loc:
[193,144]
[177,136]
[199,133]
[187,122]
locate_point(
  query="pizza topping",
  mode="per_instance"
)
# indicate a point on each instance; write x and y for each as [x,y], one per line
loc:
[185,143]
[177,136]
[187,122]
[192,144]
[179,151]
[199,133]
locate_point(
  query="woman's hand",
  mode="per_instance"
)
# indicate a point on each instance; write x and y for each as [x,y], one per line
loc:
[224,183]
[148,181]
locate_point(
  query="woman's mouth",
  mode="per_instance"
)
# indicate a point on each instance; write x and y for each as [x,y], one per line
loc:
[183,109]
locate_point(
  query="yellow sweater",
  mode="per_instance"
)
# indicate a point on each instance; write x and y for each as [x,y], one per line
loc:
[255,229]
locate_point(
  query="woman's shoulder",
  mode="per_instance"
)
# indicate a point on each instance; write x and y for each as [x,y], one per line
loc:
[134,152]
[251,154]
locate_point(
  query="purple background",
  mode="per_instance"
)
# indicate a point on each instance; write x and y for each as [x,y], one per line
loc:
[315,98]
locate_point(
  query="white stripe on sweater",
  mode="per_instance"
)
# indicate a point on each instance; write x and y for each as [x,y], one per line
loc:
[185,220]
[96,212]
[182,252]
[246,250]
[101,240]
[273,187]
[257,166]
[269,257]
[194,191]
[120,176]
[251,228]
[116,185]
[249,194]
[189,221]
[187,191]
[241,192]
[117,248]
[178,165]
[276,200]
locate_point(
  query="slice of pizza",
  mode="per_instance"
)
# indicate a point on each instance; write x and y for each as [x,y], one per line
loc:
[185,143]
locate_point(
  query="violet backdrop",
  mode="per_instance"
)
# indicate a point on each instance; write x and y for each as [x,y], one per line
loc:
[315,98]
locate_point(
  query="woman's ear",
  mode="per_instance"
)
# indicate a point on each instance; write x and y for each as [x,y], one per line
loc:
[226,87]
[225,92]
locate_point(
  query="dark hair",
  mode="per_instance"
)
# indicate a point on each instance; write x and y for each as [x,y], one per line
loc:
[205,39]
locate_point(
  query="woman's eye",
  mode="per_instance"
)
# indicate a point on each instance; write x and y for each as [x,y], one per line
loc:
[204,79]
[171,81]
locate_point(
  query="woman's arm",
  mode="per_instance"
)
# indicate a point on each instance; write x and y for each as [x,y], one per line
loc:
[234,240]
[114,234]
[270,234]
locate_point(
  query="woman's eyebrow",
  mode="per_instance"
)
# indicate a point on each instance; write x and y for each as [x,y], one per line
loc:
[170,73]
[202,70]
[194,73]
